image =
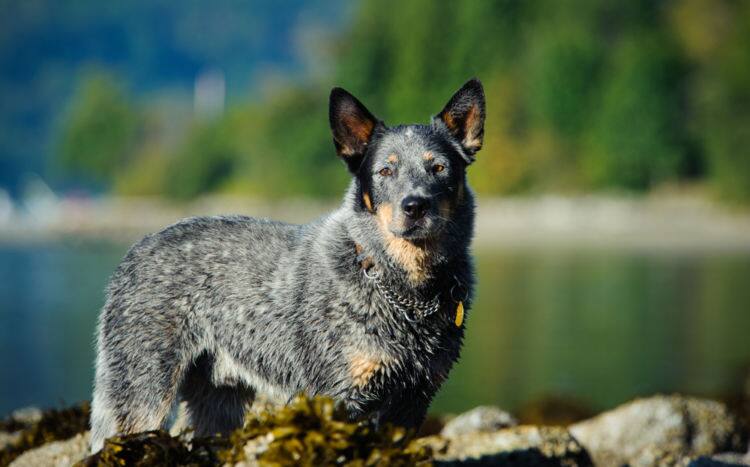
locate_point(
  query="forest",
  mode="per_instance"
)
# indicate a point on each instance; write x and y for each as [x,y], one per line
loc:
[582,96]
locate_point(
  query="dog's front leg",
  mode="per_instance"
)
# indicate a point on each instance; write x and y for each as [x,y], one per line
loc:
[407,410]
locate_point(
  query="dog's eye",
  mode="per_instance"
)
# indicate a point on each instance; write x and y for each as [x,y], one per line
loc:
[437,168]
[385,171]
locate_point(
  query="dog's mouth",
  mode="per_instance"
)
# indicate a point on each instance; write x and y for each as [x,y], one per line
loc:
[419,230]
[415,232]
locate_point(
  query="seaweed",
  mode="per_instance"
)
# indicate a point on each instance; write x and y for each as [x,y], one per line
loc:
[306,432]
[316,431]
[152,448]
[9,425]
[54,425]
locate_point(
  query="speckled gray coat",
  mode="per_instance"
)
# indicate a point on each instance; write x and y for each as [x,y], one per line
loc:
[215,310]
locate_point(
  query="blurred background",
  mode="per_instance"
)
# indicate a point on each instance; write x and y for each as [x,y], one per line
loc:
[613,238]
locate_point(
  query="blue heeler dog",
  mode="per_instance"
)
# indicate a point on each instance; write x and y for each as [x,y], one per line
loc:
[365,305]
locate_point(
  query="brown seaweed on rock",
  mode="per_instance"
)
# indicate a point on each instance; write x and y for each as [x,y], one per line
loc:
[54,425]
[307,432]
[311,432]
[152,448]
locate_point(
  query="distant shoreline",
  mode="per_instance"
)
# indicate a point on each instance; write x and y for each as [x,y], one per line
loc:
[654,223]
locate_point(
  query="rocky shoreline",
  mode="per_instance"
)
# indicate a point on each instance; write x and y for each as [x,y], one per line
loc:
[655,431]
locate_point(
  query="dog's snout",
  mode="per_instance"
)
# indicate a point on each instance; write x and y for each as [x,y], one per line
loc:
[415,207]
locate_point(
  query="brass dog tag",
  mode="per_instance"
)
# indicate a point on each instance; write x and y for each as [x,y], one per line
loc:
[459,314]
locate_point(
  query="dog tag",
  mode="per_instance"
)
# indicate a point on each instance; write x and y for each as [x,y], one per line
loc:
[459,314]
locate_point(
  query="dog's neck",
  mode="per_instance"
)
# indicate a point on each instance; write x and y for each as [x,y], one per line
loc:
[414,263]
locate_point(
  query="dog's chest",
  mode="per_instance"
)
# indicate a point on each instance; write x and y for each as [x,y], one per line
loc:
[411,354]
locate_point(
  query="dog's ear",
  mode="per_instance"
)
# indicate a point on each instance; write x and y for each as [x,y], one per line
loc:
[352,126]
[463,116]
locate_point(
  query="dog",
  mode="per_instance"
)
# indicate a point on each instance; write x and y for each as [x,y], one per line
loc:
[366,305]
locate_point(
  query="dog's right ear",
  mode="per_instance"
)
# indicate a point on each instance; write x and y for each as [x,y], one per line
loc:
[352,126]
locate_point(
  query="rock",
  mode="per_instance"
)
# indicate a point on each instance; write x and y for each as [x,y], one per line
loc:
[648,431]
[726,459]
[8,438]
[27,415]
[36,430]
[478,420]
[517,446]
[10,429]
[661,456]
[56,453]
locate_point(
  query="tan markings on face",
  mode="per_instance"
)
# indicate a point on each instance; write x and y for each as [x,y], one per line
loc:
[411,257]
[367,201]
[471,139]
[393,158]
[428,156]
[362,367]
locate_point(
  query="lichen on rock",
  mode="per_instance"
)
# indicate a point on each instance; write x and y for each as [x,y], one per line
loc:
[648,431]
[510,447]
[480,419]
[56,453]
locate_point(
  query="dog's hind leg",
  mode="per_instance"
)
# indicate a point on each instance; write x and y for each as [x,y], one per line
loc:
[103,419]
[213,409]
[133,393]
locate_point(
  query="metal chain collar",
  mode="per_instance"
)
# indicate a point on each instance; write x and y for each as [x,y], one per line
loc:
[413,309]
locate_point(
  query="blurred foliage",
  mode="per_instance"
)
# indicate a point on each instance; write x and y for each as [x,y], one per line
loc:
[154,46]
[581,95]
[554,411]
[101,129]
[715,37]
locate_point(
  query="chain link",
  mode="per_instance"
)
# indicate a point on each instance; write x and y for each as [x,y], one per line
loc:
[422,309]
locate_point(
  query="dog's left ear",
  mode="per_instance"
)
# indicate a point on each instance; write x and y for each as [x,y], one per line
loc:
[352,126]
[463,116]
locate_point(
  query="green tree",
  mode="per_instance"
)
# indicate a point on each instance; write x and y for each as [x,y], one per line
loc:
[716,36]
[637,131]
[581,94]
[100,130]
[203,163]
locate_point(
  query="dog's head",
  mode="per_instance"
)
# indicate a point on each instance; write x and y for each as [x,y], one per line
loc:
[412,177]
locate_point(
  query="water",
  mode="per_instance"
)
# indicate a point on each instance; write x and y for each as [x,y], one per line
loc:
[599,326]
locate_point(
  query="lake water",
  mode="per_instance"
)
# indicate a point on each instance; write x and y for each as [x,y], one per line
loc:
[598,326]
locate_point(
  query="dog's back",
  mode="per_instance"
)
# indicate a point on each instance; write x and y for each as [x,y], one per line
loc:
[365,305]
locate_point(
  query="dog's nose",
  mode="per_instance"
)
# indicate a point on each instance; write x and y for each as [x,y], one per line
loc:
[415,207]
